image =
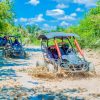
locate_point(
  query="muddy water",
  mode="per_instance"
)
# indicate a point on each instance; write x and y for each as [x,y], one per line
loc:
[23,93]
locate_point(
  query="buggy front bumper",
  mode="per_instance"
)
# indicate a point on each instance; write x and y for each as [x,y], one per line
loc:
[77,68]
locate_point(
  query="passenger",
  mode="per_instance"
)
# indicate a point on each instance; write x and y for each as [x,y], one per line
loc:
[53,53]
[4,40]
[16,42]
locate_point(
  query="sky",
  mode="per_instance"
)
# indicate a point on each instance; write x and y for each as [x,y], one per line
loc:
[48,14]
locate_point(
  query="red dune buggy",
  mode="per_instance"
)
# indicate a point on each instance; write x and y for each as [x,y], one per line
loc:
[63,53]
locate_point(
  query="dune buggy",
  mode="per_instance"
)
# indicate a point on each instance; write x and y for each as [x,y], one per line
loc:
[64,53]
[14,48]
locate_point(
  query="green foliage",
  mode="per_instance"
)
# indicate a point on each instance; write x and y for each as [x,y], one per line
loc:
[34,31]
[6,17]
[89,28]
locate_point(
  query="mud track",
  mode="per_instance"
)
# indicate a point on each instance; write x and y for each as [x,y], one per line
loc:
[22,75]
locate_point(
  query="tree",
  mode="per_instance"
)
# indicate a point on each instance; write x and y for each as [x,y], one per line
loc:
[89,28]
[34,30]
[6,16]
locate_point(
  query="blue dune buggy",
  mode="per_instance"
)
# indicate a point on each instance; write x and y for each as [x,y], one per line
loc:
[14,48]
[63,53]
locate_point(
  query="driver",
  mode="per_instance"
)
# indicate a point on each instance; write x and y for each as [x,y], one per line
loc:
[65,47]
[16,42]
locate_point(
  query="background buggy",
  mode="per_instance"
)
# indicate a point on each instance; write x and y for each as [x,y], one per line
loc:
[14,48]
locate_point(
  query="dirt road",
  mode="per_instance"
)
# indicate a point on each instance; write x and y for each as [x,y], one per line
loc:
[18,74]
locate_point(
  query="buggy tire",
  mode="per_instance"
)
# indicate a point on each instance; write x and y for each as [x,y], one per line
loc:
[6,54]
[91,68]
[41,64]
[54,65]
[24,55]
[51,68]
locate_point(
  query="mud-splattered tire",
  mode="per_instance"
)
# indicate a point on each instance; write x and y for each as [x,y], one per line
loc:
[6,54]
[41,64]
[24,54]
[55,65]
[92,68]
[51,68]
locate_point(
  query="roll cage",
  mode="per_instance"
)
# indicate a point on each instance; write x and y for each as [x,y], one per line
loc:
[62,37]
[14,37]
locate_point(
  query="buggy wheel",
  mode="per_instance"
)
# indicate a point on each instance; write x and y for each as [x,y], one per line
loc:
[24,54]
[54,65]
[6,53]
[44,49]
[59,65]
[91,68]
[41,64]
[51,67]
